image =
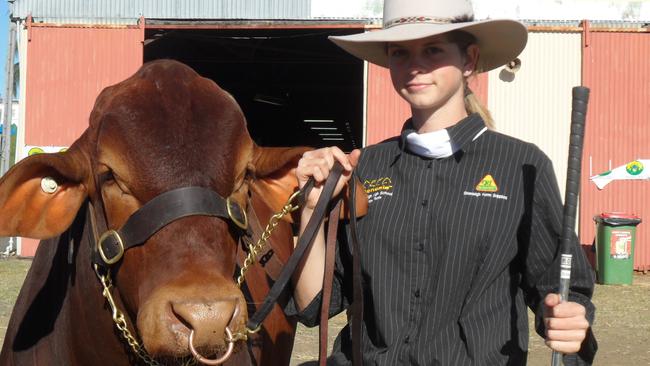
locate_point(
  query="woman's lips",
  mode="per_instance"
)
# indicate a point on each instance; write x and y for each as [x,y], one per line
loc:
[414,87]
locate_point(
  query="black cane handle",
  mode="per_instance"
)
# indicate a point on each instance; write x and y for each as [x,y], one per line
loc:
[578,117]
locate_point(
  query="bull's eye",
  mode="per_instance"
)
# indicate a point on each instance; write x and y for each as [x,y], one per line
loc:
[106,178]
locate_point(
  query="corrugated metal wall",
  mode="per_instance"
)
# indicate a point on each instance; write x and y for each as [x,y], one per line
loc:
[386,111]
[68,67]
[536,105]
[616,69]
[115,11]
[66,70]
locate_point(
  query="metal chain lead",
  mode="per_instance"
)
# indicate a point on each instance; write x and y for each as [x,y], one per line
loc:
[254,250]
[120,321]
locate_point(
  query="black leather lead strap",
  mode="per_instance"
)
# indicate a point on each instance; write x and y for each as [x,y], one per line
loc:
[304,242]
[328,280]
[357,279]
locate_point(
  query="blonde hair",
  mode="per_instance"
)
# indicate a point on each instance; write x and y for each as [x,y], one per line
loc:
[472,104]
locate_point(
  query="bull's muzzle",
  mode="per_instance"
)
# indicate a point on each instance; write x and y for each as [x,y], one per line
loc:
[210,324]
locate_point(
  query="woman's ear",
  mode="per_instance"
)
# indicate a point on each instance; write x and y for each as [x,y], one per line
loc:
[471,60]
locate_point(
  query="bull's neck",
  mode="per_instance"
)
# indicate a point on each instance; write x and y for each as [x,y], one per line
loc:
[60,315]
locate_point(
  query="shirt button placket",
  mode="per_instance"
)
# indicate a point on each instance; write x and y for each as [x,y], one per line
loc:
[422,210]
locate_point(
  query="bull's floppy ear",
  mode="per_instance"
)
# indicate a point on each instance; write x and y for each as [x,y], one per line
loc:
[275,170]
[40,196]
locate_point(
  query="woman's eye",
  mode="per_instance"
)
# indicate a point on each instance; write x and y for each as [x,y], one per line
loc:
[397,53]
[432,50]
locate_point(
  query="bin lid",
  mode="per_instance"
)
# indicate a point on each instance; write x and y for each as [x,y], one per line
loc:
[618,218]
[619,215]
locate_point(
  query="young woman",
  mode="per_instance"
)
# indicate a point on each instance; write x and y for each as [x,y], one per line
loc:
[463,223]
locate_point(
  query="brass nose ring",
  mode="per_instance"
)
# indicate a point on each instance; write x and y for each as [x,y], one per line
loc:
[217,361]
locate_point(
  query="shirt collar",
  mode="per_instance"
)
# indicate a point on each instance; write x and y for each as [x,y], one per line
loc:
[461,134]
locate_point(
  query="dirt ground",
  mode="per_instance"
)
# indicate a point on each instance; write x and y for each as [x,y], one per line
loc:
[622,324]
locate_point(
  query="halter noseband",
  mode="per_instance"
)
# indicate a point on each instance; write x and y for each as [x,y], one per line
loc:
[156,214]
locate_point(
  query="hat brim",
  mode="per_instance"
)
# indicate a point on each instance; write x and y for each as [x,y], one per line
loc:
[500,40]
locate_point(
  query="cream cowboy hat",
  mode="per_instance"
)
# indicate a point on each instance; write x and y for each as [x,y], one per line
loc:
[499,41]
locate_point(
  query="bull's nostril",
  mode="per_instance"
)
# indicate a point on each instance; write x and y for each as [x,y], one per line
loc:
[207,319]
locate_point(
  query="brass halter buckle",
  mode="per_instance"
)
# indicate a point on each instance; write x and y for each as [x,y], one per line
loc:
[115,237]
[229,206]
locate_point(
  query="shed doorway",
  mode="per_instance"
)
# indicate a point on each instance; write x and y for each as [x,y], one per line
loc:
[294,85]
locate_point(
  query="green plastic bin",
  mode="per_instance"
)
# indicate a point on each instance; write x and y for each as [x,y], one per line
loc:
[615,239]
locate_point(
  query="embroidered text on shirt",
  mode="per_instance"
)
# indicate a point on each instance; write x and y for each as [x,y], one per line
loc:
[378,188]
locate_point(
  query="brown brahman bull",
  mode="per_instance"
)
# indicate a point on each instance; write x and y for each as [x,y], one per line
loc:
[162,129]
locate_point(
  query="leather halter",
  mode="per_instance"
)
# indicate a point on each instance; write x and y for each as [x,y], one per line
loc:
[191,201]
[156,214]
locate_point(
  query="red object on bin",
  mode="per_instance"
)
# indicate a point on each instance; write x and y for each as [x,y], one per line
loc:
[619,215]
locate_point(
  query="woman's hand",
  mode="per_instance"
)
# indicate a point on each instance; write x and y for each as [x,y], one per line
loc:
[318,163]
[566,324]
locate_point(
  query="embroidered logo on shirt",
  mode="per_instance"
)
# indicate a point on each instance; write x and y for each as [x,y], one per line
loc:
[487,184]
[487,187]
[378,188]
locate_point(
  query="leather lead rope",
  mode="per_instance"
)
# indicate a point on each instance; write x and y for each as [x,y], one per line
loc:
[328,279]
[304,242]
[357,288]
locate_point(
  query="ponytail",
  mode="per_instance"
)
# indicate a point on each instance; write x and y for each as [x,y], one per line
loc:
[473,105]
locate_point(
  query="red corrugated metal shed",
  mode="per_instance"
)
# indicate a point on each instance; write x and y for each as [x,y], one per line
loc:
[616,69]
[387,111]
[67,67]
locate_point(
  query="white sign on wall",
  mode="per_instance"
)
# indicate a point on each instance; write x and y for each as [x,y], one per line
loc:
[33,150]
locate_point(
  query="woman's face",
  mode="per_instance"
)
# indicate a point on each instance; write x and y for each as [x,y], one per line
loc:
[429,73]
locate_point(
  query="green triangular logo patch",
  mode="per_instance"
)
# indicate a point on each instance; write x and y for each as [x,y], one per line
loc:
[487,184]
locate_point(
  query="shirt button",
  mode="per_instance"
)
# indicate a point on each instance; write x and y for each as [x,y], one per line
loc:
[430,165]
[407,339]
[417,293]
[425,202]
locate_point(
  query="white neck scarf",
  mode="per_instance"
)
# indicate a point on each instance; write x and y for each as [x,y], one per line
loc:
[436,144]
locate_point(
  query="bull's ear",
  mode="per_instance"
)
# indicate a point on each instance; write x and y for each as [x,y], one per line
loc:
[40,196]
[275,170]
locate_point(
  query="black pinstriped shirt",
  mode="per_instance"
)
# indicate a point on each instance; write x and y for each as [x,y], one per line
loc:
[453,250]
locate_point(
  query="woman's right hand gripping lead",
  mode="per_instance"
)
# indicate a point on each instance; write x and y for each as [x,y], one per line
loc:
[317,164]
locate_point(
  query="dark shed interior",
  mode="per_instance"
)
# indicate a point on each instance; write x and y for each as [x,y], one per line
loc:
[294,85]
